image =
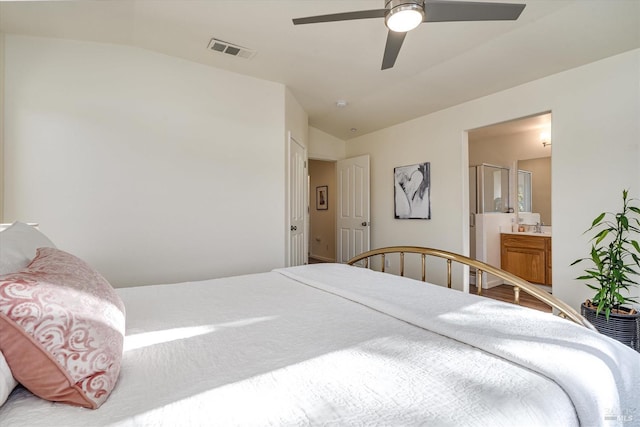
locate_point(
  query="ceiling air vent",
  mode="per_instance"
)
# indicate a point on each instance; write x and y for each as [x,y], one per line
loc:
[221,46]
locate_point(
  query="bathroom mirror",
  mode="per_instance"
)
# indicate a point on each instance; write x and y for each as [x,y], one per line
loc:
[539,185]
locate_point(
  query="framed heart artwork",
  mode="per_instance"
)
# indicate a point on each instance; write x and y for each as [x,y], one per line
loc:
[412,186]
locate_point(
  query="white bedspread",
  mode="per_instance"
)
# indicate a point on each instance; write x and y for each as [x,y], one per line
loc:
[601,377]
[267,350]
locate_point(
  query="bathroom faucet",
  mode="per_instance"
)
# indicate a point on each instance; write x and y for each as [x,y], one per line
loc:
[538,228]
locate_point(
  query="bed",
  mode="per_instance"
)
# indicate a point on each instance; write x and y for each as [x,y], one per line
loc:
[335,344]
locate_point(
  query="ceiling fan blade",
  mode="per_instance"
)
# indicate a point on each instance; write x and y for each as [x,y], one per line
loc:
[446,11]
[346,16]
[392,48]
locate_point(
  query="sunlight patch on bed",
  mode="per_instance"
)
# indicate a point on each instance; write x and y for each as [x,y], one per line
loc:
[354,383]
[297,393]
[146,339]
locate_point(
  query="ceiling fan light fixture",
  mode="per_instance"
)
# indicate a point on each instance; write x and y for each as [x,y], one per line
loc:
[404,17]
[401,16]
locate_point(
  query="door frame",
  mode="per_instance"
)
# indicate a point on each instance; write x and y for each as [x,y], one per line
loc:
[303,182]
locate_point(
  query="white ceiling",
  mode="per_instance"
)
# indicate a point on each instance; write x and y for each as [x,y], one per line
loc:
[440,64]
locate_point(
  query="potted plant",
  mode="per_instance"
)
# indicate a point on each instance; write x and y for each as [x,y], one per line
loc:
[615,263]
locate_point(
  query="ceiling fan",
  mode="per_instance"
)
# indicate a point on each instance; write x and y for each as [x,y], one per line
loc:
[401,16]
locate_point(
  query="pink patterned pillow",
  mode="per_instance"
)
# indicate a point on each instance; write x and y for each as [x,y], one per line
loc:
[61,329]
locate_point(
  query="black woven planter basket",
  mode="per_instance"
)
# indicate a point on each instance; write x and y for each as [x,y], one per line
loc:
[621,327]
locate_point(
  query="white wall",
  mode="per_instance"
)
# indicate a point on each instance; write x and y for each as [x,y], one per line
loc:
[596,154]
[151,168]
[296,120]
[323,146]
[1,125]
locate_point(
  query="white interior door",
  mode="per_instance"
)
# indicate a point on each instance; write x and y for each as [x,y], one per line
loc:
[353,221]
[297,251]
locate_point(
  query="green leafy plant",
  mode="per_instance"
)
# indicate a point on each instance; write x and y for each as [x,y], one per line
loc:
[614,256]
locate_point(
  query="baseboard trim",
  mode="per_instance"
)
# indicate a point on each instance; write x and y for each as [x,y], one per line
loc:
[486,283]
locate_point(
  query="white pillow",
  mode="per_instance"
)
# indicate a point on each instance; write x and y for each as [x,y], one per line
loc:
[7,382]
[18,245]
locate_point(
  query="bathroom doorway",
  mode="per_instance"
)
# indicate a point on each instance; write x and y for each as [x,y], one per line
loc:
[523,147]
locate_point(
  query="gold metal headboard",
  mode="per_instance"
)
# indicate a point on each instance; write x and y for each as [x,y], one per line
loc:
[563,309]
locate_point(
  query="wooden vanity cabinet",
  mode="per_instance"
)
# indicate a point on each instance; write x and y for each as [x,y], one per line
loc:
[527,256]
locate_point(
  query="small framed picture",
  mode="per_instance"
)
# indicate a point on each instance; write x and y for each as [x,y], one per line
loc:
[322,202]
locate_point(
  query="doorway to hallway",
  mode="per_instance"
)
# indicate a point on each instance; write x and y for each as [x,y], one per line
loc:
[322,211]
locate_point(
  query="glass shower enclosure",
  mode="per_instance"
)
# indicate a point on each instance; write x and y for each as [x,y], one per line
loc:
[488,188]
[488,194]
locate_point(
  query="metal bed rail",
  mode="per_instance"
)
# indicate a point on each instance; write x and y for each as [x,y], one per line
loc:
[518,284]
